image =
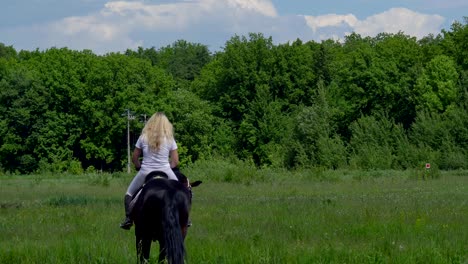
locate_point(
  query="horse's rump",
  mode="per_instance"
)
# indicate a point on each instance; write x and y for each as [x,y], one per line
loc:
[156,195]
[161,213]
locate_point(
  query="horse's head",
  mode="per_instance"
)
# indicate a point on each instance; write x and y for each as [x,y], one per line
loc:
[185,181]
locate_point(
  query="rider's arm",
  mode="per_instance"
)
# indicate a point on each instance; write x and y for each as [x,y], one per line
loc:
[174,156]
[136,158]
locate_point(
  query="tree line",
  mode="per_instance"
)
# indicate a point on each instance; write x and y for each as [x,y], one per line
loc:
[384,102]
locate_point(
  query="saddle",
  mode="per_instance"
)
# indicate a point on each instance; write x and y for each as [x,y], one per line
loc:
[161,175]
[149,177]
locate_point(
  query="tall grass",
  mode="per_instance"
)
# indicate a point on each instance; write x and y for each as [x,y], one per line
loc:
[244,215]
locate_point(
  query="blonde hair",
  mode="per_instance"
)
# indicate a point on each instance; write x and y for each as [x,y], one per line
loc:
[157,130]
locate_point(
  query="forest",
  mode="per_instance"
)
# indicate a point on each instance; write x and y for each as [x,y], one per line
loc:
[386,102]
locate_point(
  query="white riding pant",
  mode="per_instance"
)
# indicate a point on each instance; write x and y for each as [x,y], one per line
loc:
[139,179]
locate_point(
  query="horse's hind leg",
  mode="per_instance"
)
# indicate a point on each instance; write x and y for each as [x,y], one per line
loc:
[143,250]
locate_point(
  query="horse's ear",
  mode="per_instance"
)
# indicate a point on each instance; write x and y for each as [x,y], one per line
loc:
[196,183]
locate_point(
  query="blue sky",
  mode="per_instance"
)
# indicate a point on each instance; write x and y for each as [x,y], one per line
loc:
[114,26]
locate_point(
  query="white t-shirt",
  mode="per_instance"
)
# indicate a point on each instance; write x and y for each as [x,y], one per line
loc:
[155,160]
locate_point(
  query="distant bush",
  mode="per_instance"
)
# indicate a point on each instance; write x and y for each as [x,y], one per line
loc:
[102,179]
[372,144]
[219,170]
[442,137]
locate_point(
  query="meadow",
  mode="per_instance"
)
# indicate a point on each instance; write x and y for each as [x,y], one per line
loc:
[246,216]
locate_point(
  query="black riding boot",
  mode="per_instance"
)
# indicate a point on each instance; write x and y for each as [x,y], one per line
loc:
[128,222]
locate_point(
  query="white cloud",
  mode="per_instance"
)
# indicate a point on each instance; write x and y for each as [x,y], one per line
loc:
[330,20]
[400,19]
[121,25]
[391,21]
[180,15]
[119,21]
[264,7]
[76,25]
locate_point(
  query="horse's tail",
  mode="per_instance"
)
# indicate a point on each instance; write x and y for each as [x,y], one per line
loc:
[173,237]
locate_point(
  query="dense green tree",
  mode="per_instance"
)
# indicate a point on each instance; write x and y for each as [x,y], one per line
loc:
[455,43]
[150,54]
[293,78]
[65,105]
[246,67]
[183,60]
[399,64]
[378,75]
[23,101]
[442,137]
[193,123]
[388,101]
[208,84]
[262,130]
[315,138]
[354,77]
[437,87]
[374,142]
[118,83]
[431,46]
[7,51]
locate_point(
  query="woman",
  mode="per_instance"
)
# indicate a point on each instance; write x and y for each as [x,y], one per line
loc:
[159,149]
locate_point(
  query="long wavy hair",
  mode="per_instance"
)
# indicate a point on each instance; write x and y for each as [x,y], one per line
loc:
[157,130]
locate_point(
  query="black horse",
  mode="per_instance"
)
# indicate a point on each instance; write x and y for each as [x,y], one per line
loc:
[162,213]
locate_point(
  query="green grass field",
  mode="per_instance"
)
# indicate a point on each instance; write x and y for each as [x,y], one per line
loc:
[270,217]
